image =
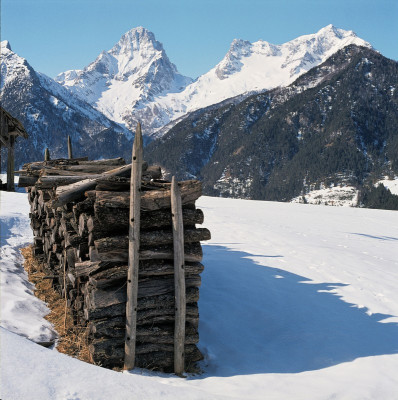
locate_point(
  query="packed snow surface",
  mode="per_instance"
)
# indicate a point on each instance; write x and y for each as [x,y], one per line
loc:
[297,302]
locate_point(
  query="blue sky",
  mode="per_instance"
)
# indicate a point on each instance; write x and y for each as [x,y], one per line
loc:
[57,35]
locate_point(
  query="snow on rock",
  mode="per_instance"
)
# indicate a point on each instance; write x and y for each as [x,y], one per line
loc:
[297,302]
[136,81]
[346,196]
[391,184]
[21,311]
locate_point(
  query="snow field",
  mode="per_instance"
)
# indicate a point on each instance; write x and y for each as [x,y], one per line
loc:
[297,302]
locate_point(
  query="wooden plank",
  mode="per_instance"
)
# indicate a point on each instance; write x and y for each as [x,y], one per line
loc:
[134,246]
[70,155]
[179,278]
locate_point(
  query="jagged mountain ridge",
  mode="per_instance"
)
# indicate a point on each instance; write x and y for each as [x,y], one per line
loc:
[336,124]
[50,113]
[135,80]
[124,80]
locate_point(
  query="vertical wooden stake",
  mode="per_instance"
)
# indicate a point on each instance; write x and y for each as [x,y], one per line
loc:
[10,165]
[46,154]
[134,245]
[179,278]
[70,155]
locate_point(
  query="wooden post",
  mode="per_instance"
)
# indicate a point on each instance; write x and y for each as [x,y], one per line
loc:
[3,135]
[134,246]
[70,155]
[46,154]
[10,165]
[179,278]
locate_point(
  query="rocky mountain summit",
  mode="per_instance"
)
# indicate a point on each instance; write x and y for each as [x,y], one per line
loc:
[135,80]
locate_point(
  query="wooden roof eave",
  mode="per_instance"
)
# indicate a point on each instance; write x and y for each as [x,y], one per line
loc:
[15,127]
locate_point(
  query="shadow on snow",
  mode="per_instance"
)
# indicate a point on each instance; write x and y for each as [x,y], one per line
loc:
[257,319]
[375,237]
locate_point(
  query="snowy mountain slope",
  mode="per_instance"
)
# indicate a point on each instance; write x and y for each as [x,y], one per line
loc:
[49,112]
[160,95]
[336,125]
[252,67]
[297,302]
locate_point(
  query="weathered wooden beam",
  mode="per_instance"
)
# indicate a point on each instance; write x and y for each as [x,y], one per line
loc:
[69,193]
[106,161]
[179,278]
[70,155]
[48,182]
[134,246]
[27,180]
[4,140]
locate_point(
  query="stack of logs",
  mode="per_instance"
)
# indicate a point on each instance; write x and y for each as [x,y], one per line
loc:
[80,219]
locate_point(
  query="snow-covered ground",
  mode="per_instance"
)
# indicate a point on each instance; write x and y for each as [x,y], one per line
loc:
[297,302]
[21,311]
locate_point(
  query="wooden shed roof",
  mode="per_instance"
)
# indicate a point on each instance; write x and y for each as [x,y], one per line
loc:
[14,126]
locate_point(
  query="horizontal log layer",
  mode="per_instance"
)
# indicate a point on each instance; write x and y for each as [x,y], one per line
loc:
[148,268]
[163,333]
[51,181]
[144,317]
[109,345]
[147,287]
[26,180]
[57,161]
[101,299]
[110,219]
[54,177]
[152,199]
[193,253]
[151,238]
[160,360]
[69,193]
[123,183]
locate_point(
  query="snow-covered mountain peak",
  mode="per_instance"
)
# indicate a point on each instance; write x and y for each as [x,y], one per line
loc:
[128,76]
[232,63]
[135,40]
[330,29]
[295,55]
[13,67]
[5,45]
